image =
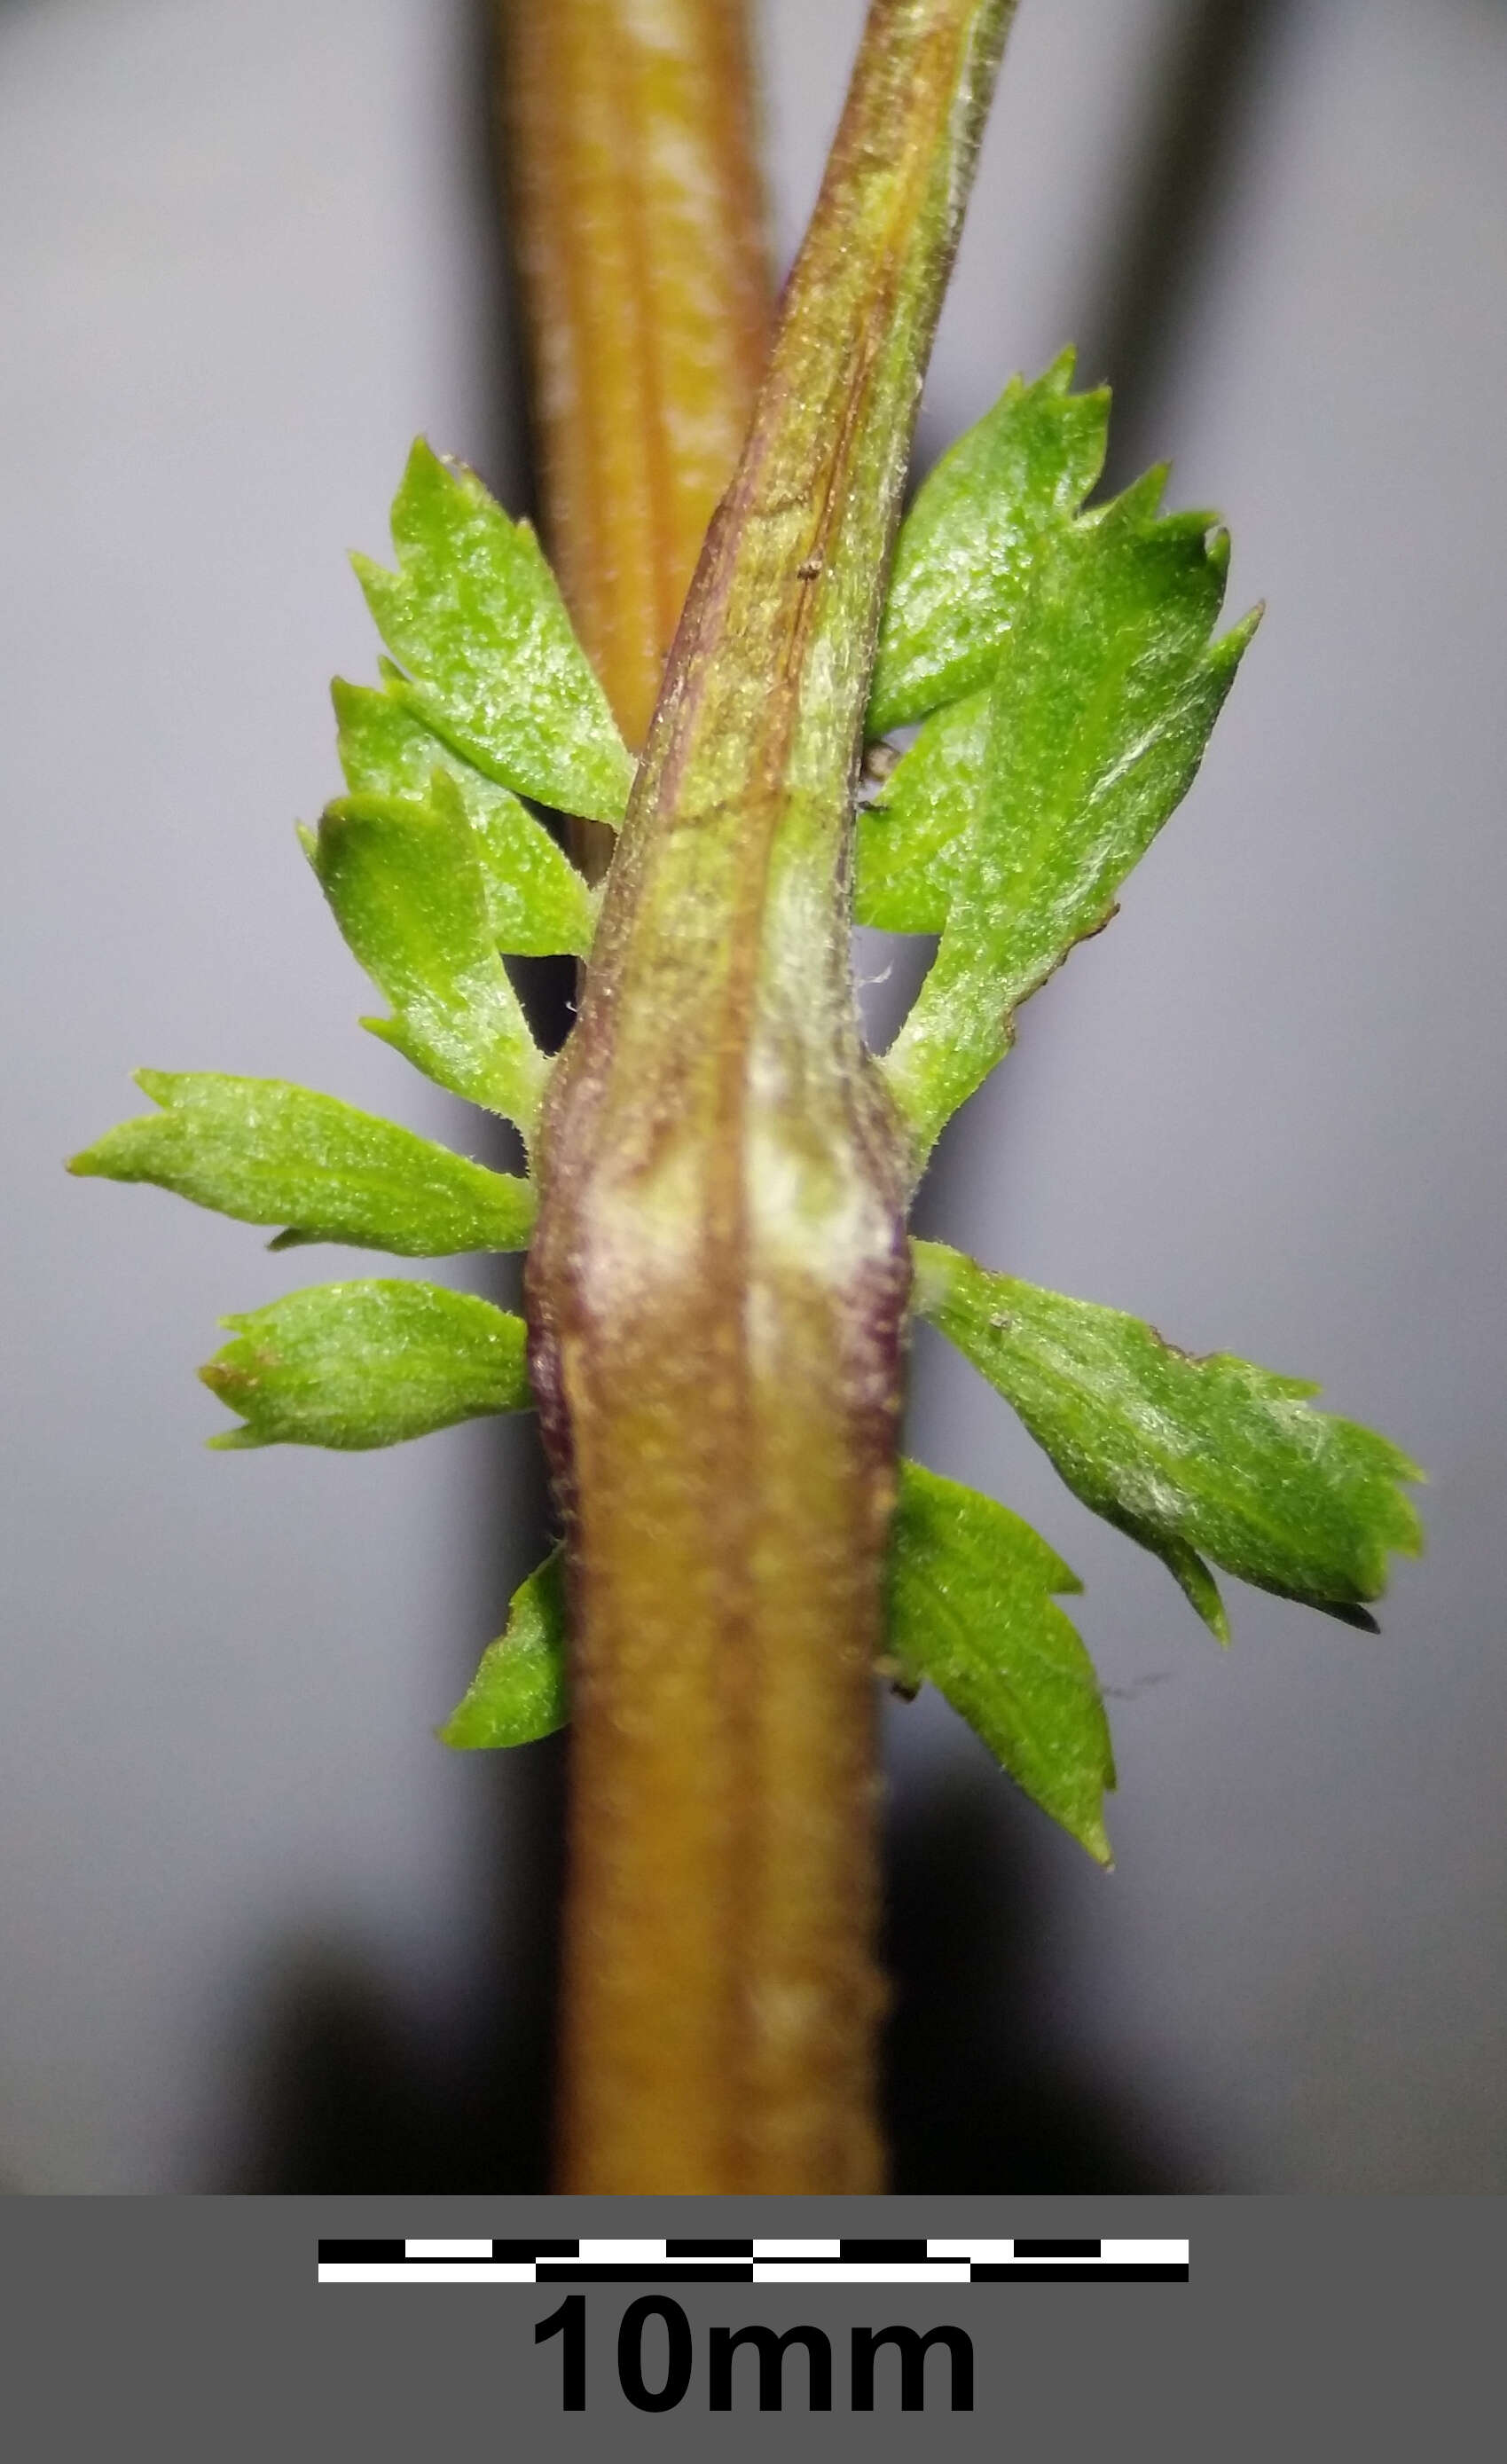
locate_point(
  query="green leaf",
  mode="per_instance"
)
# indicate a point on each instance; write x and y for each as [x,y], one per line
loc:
[493,666]
[520,1692]
[971,1607]
[1195,1458]
[267,1152]
[1102,705]
[538,905]
[910,842]
[405,887]
[368,1364]
[965,550]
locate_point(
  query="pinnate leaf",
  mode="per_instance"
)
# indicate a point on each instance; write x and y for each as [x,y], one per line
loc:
[493,668]
[1101,704]
[520,1690]
[366,1364]
[966,549]
[268,1153]
[971,1608]
[538,905]
[404,884]
[1195,1458]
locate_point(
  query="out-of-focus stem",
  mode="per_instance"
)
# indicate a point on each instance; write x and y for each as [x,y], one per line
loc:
[718,1285]
[638,228]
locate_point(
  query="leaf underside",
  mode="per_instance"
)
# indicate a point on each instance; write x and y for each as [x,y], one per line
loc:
[1195,1458]
[267,1152]
[971,1607]
[366,1364]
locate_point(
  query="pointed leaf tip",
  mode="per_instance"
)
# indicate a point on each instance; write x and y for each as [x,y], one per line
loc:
[520,1692]
[1198,1586]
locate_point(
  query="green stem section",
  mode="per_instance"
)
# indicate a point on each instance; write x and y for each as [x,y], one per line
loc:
[717,1286]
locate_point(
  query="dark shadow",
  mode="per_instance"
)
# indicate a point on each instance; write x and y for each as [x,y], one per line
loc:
[342,2096]
[351,2090]
[983,2091]
[348,2093]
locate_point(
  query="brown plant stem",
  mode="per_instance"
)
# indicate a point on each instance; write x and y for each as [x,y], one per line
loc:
[718,1285]
[637,221]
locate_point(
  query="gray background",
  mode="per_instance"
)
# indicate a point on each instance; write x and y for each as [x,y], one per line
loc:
[255,1927]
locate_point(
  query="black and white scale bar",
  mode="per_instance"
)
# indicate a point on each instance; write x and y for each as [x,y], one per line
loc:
[938,2260]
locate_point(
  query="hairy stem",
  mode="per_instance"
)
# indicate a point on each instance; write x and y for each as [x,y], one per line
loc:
[718,1286]
[638,219]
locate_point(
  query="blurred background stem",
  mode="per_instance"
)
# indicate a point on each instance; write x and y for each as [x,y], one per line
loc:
[638,225]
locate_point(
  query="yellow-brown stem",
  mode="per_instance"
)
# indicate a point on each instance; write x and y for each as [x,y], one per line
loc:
[638,226]
[718,1284]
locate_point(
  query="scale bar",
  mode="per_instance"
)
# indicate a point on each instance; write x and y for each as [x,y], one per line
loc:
[1032,2259]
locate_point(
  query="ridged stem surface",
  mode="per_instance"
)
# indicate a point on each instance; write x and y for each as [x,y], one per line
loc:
[638,226]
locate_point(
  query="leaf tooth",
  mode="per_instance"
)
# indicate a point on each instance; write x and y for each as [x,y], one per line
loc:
[1193,1578]
[1223,655]
[1350,1612]
[1140,502]
[377,580]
